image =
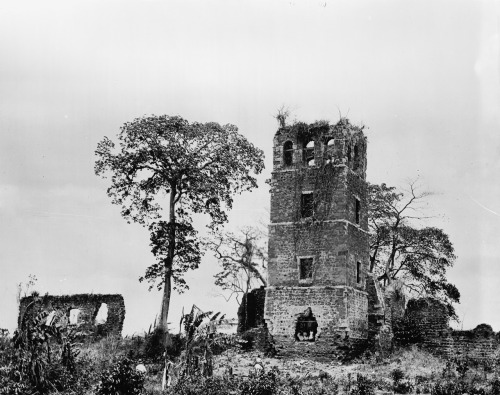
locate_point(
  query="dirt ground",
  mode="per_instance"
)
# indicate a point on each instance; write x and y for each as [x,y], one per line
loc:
[412,362]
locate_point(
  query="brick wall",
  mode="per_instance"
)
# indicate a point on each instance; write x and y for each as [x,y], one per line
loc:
[251,310]
[88,304]
[335,247]
[341,314]
[426,323]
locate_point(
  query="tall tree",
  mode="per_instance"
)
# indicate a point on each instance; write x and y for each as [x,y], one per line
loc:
[166,163]
[400,249]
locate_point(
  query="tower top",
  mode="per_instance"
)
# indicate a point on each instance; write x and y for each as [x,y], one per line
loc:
[318,144]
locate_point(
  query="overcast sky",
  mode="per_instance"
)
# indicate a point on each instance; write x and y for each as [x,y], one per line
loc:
[423,76]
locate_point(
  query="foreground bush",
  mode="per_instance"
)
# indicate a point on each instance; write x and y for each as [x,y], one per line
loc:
[122,379]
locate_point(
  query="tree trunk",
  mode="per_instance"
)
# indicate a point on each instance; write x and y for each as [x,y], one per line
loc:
[165,302]
[167,286]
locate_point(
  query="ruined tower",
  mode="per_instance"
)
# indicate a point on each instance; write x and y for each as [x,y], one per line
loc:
[316,300]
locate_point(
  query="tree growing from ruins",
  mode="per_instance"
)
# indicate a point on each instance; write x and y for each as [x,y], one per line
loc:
[166,164]
[400,249]
[243,259]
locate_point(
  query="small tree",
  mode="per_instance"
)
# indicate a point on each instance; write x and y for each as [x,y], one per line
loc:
[191,168]
[243,259]
[399,249]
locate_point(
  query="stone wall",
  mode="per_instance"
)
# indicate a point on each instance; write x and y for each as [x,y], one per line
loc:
[340,314]
[88,306]
[335,247]
[426,323]
[251,310]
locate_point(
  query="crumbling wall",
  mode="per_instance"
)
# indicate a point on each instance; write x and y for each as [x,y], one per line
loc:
[480,343]
[251,310]
[88,306]
[426,323]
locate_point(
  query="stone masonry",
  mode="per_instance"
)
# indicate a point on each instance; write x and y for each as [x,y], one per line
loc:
[82,309]
[316,300]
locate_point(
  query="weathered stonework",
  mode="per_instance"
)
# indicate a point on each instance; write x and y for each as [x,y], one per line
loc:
[426,323]
[251,310]
[318,240]
[88,306]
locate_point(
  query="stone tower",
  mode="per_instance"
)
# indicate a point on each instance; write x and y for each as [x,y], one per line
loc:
[316,298]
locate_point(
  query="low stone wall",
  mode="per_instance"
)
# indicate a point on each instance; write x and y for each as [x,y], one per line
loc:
[88,306]
[426,323]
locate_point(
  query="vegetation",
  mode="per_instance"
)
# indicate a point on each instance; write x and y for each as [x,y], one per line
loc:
[108,367]
[400,249]
[200,166]
[121,379]
[243,259]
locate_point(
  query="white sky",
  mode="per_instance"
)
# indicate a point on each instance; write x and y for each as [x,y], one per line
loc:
[422,75]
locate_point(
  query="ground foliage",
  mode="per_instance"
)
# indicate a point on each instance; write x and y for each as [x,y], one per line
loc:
[122,378]
[109,365]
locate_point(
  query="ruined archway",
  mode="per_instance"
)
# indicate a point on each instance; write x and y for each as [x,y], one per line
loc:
[306,326]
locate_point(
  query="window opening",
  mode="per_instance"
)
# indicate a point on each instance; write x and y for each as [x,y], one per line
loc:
[306,268]
[306,326]
[307,205]
[330,151]
[73,316]
[356,158]
[102,314]
[349,156]
[288,153]
[358,272]
[309,153]
[358,209]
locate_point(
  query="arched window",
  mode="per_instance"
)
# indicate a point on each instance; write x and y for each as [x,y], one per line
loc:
[330,151]
[309,153]
[102,314]
[288,153]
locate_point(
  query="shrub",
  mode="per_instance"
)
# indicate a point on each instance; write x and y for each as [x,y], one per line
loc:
[397,375]
[122,378]
[403,386]
[457,388]
[262,383]
[11,387]
[197,384]
[364,386]
[45,353]
[495,386]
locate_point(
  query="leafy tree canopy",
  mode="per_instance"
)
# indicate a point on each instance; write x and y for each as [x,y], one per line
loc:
[399,249]
[166,163]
